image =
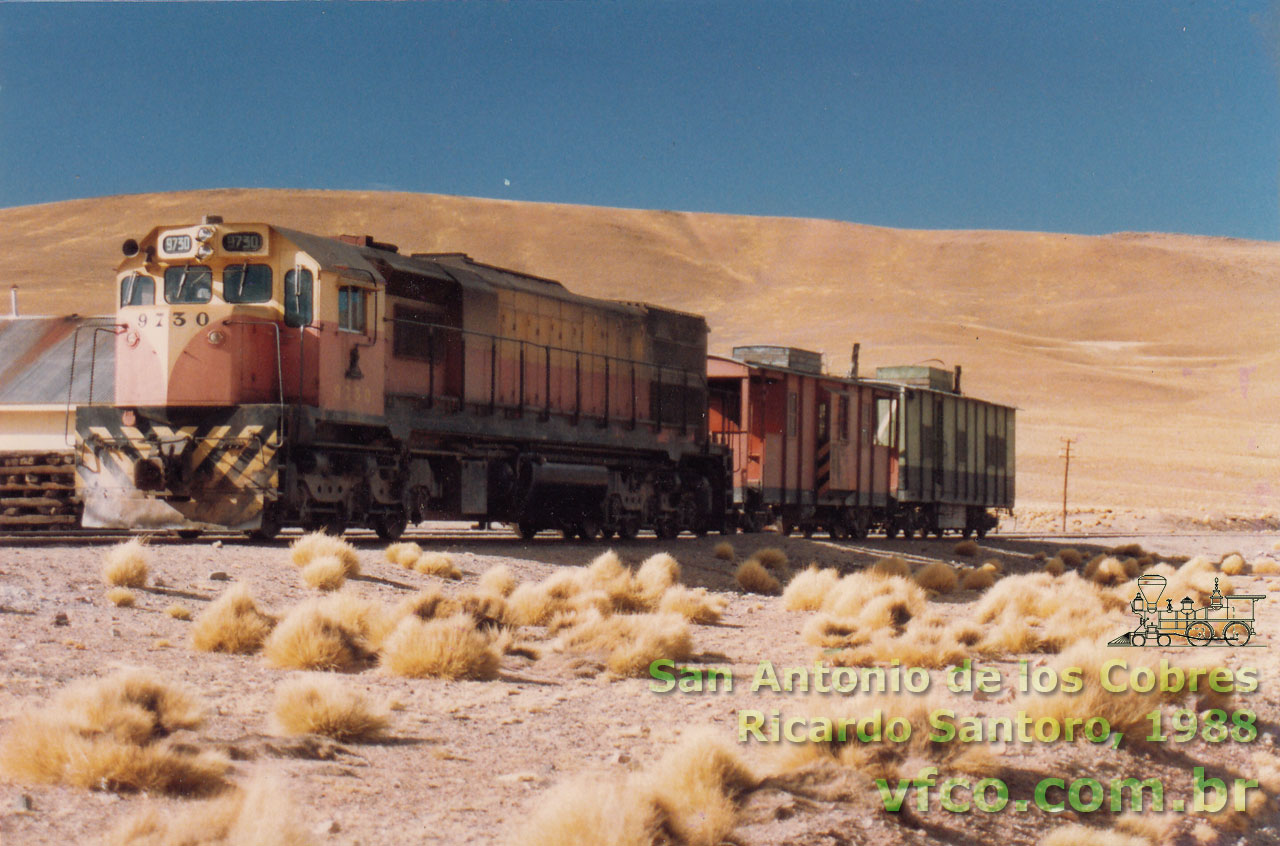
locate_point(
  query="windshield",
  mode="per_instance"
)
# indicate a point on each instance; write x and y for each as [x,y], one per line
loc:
[190,284]
[246,283]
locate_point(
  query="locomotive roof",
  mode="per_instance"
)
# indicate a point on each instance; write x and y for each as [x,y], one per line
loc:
[457,267]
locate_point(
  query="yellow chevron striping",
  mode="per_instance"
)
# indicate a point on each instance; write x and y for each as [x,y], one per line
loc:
[207,443]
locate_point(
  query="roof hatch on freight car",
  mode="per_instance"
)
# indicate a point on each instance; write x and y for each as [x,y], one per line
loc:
[788,358]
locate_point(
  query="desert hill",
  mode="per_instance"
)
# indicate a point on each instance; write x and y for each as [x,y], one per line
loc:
[1157,352]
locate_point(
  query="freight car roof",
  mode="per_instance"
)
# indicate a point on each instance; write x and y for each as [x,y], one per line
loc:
[35,360]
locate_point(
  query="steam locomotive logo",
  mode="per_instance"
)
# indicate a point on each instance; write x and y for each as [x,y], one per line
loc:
[1226,620]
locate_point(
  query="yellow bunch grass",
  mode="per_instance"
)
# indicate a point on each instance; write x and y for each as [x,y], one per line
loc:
[125,565]
[232,623]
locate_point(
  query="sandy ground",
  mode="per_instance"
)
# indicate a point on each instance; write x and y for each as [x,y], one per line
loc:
[467,762]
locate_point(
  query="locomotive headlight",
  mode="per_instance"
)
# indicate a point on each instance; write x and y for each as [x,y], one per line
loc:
[204,233]
[216,337]
[204,251]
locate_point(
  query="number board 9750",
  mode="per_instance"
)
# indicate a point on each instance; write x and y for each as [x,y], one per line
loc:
[242,242]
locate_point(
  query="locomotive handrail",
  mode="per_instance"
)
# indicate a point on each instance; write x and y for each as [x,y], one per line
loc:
[495,340]
[114,329]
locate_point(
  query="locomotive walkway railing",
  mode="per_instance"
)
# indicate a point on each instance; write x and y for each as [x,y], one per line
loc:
[525,376]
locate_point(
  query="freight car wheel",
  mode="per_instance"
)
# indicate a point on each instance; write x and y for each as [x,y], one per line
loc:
[966,532]
[629,527]
[891,531]
[1199,634]
[1236,634]
[588,530]
[189,534]
[527,530]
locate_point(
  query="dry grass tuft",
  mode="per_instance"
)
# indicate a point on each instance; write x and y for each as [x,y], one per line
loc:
[403,554]
[109,734]
[232,623]
[697,786]
[1126,711]
[1076,834]
[324,705]
[1266,566]
[1109,571]
[489,610]
[178,612]
[994,565]
[313,636]
[1071,557]
[324,573]
[694,604]
[437,564]
[689,796]
[937,576]
[657,573]
[451,648]
[429,604]
[1128,550]
[966,548]
[258,814]
[772,559]
[631,642]
[724,551]
[752,577]
[317,544]
[1055,566]
[809,588]
[1233,565]
[979,579]
[499,580]
[121,597]
[125,565]
[892,566]
[1041,613]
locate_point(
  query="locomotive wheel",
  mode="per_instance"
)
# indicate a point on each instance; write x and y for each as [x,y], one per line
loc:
[569,531]
[1236,634]
[588,530]
[390,526]
[1164,640]
[1199,634]
[189,534]
[335,527]
[527,529]
[1139,640]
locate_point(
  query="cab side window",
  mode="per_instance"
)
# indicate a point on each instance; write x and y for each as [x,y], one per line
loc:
[297,298]
[137,290]
[351,309]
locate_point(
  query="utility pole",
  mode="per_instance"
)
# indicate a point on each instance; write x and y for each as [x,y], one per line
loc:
[1066,472]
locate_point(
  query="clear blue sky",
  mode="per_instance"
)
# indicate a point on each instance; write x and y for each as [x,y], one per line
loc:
[1062,116]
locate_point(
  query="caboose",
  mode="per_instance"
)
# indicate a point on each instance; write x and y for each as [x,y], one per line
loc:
[268,378]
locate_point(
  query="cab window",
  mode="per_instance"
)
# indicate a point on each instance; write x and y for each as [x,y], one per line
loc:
[297,298]
[137,290]
[192,283]
[351,311]
[246,283]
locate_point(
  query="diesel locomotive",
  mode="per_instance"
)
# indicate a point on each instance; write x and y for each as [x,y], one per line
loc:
[267,378]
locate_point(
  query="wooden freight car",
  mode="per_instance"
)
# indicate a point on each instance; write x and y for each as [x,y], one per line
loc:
[811,451]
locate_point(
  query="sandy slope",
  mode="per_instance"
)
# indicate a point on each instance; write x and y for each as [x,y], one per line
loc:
[1156,352]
